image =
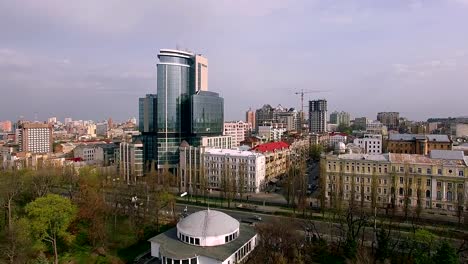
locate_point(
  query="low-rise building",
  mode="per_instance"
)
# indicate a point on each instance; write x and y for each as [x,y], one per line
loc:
[242,169]
[276,158]
[238,130]
[370,143]
[417,143]
[334,138]
[437,181]
[271,132]
[205,237]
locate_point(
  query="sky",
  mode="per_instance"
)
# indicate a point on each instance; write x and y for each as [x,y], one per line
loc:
[93,59]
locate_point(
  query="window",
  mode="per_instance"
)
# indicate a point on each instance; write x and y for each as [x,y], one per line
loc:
[410,192]
[410,181]
[428,194]
[439,171]
[401,180]
[226,239]
[449,185]
[419,170]
[429,171]
[449,196]
[439,195]
[419,182]
[428,182]
[401,191]
[411,169]
[197,241]
[460,186]
[192,241]
[460,173]
[402,169]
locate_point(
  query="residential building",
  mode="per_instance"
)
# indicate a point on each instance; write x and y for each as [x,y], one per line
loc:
[251,141]
[437,181]
[102,154]
[52,120]
[130,161]
[5,126]
[224,142]
[250,118]
[271,132]
[318,116]
[263,116]
[244,169]
[370,143]
[290,118]
[459,130]
[340,118]
[417,143]
[389,119]
[360,123]
[238,130]
[34,137]
[376,127]
[335,138]
[277,156]
[205,237]
[102,129]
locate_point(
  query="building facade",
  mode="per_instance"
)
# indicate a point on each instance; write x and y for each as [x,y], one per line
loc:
[185,109]
[340,118]
[400,181]
[277,156]
[318,116]
[370,143]
[238,130]
[34,138]
[263,116]
[271,132]
[205,237]
[130,161]
[417,143]
[250,118]
[389,119]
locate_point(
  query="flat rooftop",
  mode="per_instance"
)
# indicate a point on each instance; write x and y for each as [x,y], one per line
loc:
[172,247]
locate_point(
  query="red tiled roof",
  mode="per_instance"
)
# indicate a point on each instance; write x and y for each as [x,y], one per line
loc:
[272,146]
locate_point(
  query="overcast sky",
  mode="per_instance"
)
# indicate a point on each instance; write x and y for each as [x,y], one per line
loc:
[92,59]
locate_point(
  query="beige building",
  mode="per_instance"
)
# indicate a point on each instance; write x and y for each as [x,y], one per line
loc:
[276,158]
[238,130]
[201,73]
[34,138]
[250,117]
[438,181]
[417,143]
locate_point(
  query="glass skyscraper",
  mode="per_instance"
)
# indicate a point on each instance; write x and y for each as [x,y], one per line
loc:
[148,127]
[184,111]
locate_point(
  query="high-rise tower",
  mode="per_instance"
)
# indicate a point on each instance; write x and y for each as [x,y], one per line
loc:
[318,116]
[185,108]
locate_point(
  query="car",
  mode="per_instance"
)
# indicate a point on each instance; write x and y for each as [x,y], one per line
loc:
[257,218]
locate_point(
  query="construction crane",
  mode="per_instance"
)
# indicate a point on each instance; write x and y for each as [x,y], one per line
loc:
[302,92]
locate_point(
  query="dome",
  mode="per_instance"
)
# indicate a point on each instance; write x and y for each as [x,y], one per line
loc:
[210,226]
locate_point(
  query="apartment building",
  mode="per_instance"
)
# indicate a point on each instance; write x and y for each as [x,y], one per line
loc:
[276,158]
[437,181]
[370,143]
[417,143]
[238,130]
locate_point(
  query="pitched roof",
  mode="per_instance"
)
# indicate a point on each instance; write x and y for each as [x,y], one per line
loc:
[270,147]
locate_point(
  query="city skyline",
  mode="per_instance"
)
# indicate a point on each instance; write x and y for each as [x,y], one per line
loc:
[92,61]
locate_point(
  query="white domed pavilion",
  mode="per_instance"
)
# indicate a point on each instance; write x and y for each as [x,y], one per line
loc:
[207,236]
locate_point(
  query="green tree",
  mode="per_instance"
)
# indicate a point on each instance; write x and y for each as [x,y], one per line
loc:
[49,218]
[315,151]
[446,254]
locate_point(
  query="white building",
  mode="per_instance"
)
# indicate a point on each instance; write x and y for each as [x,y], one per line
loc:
[375,127]
[224,142]
[238,165]
[90,154]
[370,143]
[272,132]
[205,237]
[335,138]
[238,130]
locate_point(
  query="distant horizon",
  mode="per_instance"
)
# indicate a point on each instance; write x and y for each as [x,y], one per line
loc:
[61,59]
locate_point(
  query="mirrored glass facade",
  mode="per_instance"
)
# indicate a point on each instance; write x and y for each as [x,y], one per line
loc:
[207,114]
